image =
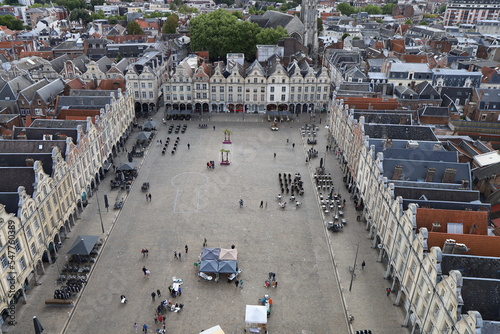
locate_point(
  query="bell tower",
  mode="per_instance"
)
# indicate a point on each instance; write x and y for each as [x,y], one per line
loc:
[309,15]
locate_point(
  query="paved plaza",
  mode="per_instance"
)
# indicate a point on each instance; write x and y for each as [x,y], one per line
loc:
[190,203]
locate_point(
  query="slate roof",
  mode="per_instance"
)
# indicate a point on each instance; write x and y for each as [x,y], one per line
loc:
[58,63]
[14,86]
[481,295]
[421,155]
[461,93]
[92,92]
[82,102]
[381,117]
[51,90]
[272,19]
[81,62]
[13,177]
[453,196]
[68,45]
[28,146]
[405,132]
[10,200]
[425,89]
[30,91]
[57,124]
[416,170]
[471,266]
[19,160]
[434,111]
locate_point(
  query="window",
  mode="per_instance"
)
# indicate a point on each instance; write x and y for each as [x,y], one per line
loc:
[18,246]
[291,97]
[150,85]
[36,223]
[272,89]
[305,96]
[181,97]
[324,96]
[40,239]
[283,89]
[221,97]
[283,96]
[204,86]
[230,97]
[240,89]
[221,89]
[198,86]
[205,95]
[312,89]
[136,85]
[143,85]
[292,89]
[306,89]
[181,88]
[22,262]
[174,88]
[198,95]
[174,96]
[255,80]
[274,81]
[143,95]
[188,88]
[271,97]
[33,248]
[5,263]
[151,95]
[230,89]
[214,89]
[300,89]
[167,97]
[29,235]
[168,88]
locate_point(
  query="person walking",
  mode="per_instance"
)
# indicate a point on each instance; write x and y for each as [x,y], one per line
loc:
[180,291]
[153,296]
[175,255]
[135,326]
[214,127]
[143,251]
[266,205]
[293,145]
[275,155]
[186,248]
[147,197]
[388,290]
[145,328]
[158,292]
[261,204]
[205,241]
[147,252]
[237,282]
[144,270]
[150,197]
[363,264]
[180,256]
[189,146]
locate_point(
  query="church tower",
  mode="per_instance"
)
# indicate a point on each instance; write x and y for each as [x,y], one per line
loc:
[308,15]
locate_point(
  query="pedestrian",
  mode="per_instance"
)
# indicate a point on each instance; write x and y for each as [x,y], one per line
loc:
[287,141]
[233,246]
[275,155]
[293,145]
[170,289]
[161,142]
[241,284]
[275,284]
[160,318]
[147,197]
[147,272]
[186,248]
[237,282]
[175,255]
[214,127]
[261,204]
[150,197]
[158,293]
[327,147]
[189,146]
[180,256]
[180,291]
[153,296]
[205,242]
[135,326]
[363,264]
[145,328]
[143,251]
[388,290]
[144,270]
[147,252]
[266,205]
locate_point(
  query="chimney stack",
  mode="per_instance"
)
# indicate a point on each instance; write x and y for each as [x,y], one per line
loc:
[449,175]
[430,174]
[398,171]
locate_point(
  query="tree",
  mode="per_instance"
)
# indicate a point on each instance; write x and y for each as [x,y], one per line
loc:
[345,35]
[373,10]
[133,28]
[118,58]
[379,21]
[387,8]
[320,24]
[346,9]
[219,33]
[409,22]
[79,14]
[171,24]
[238,15]
[184,9]
[11,22]
[98,16]
[271,36]
[423,23]
[173,6]
[442,9]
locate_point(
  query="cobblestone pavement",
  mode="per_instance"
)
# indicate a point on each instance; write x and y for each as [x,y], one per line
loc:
[190,203]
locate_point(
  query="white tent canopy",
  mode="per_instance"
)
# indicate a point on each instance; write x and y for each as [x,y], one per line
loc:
[256,314]
[213,330]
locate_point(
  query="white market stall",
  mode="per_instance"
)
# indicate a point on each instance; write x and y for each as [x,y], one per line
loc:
[256,319]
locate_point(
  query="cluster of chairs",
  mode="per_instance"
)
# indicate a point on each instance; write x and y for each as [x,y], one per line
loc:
[202,126]
[364,331]
[177,129]
[324,182]
[166,145]
[289,186]
[309,129]
[174,149]
[312,153]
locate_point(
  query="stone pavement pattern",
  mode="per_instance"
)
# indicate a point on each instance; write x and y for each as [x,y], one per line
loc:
[190,203]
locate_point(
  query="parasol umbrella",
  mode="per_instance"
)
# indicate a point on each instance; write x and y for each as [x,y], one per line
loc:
[38,325]
[83,245]
[127,166]
[149,125]
[143,136]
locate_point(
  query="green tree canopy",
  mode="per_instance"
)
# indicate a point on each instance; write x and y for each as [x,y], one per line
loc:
[97,16]
[171,24]
[184,9]
[319,21]
[373,10]
[80,14]
[11,22]
[271,36]
[345,35]
[238,15]
[423,23]
[220,33]
[133,28]
[442,9]
[113,19]
[387,8]
[409,21]
[346,9]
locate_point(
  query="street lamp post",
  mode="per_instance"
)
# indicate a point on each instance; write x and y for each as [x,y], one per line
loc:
[354,267]
[99,211]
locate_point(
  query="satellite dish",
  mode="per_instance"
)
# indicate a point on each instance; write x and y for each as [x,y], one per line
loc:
[380,246]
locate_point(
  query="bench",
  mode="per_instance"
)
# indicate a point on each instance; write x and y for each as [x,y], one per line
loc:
[60,302]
